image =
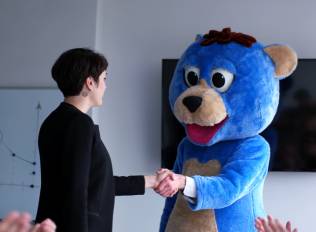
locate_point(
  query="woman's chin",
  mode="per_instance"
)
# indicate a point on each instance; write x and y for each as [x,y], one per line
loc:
[98,103]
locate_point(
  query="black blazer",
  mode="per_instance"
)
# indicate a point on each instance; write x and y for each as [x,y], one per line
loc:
[77,183]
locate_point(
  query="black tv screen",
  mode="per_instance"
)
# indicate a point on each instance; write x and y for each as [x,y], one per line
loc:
[291,135]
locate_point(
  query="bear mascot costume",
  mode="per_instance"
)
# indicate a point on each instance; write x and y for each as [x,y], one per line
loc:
[224,91]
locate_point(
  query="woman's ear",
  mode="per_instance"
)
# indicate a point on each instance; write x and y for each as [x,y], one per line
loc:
[284,58]
[89,83]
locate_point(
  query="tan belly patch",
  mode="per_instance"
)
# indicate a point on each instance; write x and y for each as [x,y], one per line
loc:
[182,218]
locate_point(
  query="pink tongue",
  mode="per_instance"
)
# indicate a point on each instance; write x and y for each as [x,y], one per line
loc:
[202,134]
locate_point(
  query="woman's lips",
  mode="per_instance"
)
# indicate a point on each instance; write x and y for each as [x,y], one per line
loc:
[203,134]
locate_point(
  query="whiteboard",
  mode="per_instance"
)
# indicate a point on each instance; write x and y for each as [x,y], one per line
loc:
[22,111]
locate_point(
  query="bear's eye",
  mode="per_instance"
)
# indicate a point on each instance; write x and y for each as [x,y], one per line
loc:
[221,79]
[191,76]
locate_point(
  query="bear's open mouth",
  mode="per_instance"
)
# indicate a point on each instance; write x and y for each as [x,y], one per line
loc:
[203,134]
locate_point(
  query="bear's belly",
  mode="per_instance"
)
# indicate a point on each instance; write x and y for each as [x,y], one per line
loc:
[182,218]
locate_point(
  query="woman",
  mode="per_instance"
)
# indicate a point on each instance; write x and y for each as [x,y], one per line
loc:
[78,186]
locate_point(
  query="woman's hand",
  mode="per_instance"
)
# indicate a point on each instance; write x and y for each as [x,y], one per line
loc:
[170,184]
[272,225]
[153,181]
[165,182]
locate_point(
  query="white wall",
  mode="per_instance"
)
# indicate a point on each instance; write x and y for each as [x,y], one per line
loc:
[35,32]
[32,34]
[291,196]
[135,36]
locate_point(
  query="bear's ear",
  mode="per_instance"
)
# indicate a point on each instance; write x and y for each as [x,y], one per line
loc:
[284,58]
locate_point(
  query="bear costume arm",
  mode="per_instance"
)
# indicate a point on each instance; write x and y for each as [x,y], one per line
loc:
[240,175]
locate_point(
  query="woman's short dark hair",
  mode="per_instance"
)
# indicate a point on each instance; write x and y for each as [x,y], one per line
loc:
[74,66]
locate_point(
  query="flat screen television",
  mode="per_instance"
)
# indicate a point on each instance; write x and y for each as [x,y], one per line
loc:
[291,135]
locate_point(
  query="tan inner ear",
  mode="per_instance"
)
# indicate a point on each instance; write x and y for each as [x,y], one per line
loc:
[284,58]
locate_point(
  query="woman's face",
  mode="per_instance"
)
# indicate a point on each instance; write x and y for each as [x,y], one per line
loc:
[100,89]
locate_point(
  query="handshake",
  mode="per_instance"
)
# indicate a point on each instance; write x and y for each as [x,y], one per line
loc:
[165,182]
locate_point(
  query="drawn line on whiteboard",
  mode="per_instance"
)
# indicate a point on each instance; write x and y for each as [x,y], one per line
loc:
[13,154]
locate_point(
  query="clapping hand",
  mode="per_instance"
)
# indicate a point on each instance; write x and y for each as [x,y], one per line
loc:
[20,222]
[272,225]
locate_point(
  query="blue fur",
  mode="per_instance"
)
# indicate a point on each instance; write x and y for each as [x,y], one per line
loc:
[254,92]
[236,193]
[251,103]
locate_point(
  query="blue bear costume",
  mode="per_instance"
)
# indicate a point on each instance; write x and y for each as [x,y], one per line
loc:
[224,91]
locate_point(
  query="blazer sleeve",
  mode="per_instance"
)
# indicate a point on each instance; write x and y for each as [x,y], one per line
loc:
[129,185]
[76,159]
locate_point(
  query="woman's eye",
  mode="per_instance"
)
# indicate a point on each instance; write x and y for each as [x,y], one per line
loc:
[221,79]
[191,76]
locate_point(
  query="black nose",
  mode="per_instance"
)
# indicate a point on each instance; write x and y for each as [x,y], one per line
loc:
[192,103]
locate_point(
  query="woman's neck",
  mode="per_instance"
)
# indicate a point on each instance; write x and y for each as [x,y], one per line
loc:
[79,102]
